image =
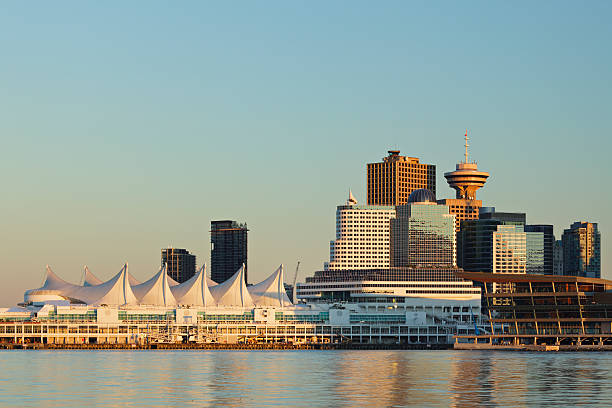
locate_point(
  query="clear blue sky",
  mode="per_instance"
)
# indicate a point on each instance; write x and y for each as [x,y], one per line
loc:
[128,126]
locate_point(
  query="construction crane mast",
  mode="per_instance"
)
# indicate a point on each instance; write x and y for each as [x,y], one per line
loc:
[295,283]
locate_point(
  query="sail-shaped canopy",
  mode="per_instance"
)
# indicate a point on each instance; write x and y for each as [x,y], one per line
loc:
[210,282]
[155,291]
[89,279]
[195,291]
[116,291]
[232,292]
[270,292]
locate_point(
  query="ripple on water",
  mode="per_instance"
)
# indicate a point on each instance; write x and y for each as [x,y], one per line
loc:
[302,378]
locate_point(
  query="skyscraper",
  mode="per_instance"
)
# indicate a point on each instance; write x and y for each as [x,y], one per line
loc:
[582,250]
[181,264]
[466,179]
[558,257]
[228,249]
[362,237]
[423,233]
[477,245]
[549,242]
[391,181]
[535,252]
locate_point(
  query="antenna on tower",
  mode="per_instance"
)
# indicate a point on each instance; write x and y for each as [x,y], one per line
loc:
[466,146]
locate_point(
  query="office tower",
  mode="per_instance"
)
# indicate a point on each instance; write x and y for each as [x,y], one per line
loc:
[558,258]
[423,233]
[582,250]
[549,242]
[509,249]
[466,179]
[535,252]
[228,249]
[476,249]
[391,181]
[362,237]
[181,264]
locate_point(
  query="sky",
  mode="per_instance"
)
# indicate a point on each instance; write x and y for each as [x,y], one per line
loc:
[126,127]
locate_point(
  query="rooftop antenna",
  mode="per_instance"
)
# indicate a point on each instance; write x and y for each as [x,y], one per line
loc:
[466,146]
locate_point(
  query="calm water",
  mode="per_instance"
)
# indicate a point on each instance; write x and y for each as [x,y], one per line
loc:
[303,378]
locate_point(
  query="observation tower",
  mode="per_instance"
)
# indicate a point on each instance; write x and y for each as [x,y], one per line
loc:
[466,179]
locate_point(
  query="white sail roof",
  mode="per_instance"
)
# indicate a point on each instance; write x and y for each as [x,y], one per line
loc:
[133,281]
[210,282]
[116,291]
[195,291]
[90,279]
[155,291]
[233,292]
[270,292]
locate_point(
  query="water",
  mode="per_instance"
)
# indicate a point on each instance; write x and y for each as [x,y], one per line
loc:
[303,378]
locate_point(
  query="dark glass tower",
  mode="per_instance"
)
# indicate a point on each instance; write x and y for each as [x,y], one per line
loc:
[181,264]
[549,243]
[228,249]
[476,244]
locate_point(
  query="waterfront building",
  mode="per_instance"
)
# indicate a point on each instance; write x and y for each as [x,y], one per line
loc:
[558,258]
[549,242]
[423,233]
[181,265]
[391,181]
[362,236]
[545,309]
[582,250]
[200,311]
[228,251]
[466,179]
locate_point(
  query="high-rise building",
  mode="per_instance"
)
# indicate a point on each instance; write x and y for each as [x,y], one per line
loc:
[582,250]
[549,242]
[535,252]
[558,257]
[466,179]
[423,233]
[391,181]
[362,237]
[228,250]
[509,249]
[181,264]
[476,249]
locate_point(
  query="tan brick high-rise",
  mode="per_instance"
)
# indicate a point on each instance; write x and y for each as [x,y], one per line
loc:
[391,181]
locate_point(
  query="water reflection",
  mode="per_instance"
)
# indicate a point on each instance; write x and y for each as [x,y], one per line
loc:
[303,378]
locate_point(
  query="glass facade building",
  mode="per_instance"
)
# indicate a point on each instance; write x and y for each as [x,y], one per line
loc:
[228,249]
[535,253]
[549,243]
[423,235]
[476,244]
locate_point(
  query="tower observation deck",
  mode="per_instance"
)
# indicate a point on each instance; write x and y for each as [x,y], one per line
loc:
[466,179]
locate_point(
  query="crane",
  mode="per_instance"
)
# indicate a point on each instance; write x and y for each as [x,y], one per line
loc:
[295,282]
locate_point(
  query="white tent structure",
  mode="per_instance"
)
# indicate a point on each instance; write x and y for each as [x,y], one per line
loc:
[233,292]
[89,279]
[270,292]
[195,291]
[155,291]
[115,291]
[199,291]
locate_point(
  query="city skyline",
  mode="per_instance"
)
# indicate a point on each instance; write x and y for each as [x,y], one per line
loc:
[97,152]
